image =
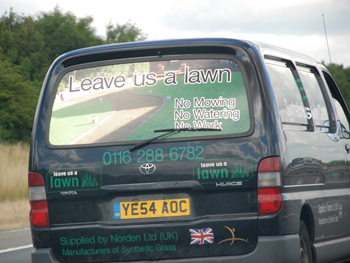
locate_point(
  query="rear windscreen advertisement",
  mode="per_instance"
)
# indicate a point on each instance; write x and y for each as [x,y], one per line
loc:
[128,102]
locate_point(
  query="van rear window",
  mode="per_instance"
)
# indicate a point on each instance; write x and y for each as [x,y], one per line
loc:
[127,102]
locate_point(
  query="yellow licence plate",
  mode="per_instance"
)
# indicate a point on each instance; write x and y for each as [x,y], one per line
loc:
[152,208]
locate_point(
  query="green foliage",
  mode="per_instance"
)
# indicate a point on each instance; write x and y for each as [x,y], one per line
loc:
[64,32]
[17,104]
[28,46]
[124,33]
[342,78]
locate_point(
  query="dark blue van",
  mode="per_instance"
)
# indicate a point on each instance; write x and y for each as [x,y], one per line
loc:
[202,150]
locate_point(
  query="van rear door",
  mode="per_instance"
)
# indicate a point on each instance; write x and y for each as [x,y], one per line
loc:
[152,158]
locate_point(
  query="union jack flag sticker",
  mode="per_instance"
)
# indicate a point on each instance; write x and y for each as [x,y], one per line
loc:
[201,236]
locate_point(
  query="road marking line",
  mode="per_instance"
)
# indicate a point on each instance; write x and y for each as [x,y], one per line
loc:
[17,230]
[15,248]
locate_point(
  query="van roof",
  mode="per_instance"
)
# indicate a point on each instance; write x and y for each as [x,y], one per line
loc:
[253,47]
[268,49]
[260,48]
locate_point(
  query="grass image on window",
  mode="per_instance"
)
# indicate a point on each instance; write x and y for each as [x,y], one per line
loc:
[69,121]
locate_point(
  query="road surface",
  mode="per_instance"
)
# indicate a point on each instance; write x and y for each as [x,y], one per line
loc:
[16,246]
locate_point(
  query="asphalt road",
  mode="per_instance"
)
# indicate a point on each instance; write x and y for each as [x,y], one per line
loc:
[16,246]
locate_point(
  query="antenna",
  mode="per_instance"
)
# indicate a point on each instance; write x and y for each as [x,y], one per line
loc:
[329,53]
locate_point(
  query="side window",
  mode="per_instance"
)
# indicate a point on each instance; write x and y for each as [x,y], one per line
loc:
[289,100]
[341,114]
[317,97]
[338,102]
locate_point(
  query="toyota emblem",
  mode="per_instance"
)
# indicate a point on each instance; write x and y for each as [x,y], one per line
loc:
[147,168]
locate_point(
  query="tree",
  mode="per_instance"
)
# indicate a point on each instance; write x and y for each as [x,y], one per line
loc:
[124,33]
[64,32]
[34,43]
[28,46]
[23,45]
[18,99]
[342,78]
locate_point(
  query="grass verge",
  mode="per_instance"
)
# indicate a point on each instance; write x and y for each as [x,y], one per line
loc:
[14,204]
[14,172]
[14,214]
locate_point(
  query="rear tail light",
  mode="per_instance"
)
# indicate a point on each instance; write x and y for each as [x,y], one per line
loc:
[269,186]
[38,213]
[38,203]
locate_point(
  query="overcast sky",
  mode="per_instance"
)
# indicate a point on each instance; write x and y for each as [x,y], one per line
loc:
[296,25]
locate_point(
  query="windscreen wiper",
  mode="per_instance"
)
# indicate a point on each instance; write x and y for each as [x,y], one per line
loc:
[168,132]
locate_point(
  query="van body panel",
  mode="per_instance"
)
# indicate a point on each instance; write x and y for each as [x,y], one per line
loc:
[95,205]
[178,177]
[281,247]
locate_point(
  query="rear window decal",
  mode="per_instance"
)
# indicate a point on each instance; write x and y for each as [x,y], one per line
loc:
[202,236]
[330,212]
[201,76]
[68,180]
[221,171]
[126,243]
[199,114]
[127,102]
[80,245]
[149,156]
[233,238]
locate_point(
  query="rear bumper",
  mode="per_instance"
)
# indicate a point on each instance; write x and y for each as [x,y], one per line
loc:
[269,249]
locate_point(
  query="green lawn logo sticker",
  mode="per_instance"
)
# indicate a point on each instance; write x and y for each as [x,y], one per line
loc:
[78,179]
[223,170]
